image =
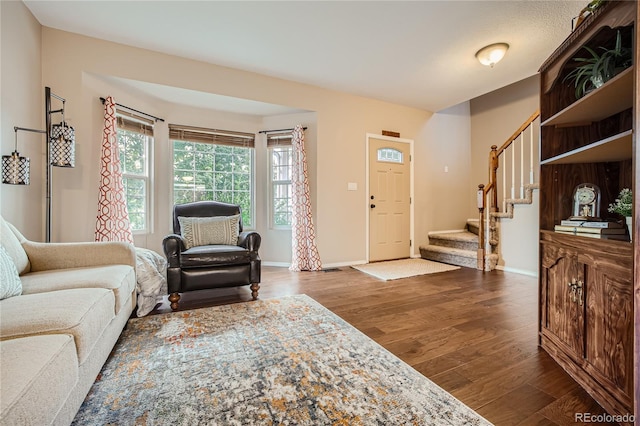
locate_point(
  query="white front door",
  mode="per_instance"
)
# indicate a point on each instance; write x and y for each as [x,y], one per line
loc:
[389,200]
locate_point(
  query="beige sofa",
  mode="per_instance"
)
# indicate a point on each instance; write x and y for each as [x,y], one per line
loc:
[55,336]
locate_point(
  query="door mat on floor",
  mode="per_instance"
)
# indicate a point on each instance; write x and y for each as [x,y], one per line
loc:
[270,362]
[403,268]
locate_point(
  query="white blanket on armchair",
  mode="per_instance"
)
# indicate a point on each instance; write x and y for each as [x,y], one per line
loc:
[151,276]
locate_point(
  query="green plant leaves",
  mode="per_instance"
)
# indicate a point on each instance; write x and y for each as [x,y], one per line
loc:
[599,67]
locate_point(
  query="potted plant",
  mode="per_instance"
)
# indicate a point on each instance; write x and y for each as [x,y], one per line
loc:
[623,205]
[600,67]
[586,11]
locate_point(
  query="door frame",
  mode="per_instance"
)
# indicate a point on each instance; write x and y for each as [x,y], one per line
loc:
[370,136]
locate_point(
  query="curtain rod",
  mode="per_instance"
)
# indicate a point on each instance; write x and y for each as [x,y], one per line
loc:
[134,110]
[278,130]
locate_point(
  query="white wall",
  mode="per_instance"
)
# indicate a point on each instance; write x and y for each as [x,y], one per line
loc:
[519,239]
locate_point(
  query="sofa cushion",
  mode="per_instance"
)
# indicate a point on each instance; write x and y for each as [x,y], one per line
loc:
[83,313]
[202,231]
[208,256]
[121,279]
[37,374]
[10,239]
[10,284]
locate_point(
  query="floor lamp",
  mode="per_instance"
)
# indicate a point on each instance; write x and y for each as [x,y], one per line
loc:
[60,152]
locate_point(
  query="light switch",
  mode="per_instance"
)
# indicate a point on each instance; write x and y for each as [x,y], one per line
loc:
[352,186]
[446,169]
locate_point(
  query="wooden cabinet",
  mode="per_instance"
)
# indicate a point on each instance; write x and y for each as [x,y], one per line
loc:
[586,317]
[586,301]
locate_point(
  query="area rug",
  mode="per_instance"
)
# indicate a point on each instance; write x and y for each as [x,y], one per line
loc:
[403,268]
[268,362]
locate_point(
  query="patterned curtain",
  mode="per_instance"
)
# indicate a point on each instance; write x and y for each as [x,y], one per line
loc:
[305,256]
[112,222]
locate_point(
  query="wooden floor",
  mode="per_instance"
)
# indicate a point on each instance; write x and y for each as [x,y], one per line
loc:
[472,333]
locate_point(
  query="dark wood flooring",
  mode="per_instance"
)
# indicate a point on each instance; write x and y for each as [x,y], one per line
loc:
[472,333]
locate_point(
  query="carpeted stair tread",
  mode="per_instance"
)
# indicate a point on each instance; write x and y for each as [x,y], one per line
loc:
[454,236]
[450,255]
[473,226]
[463,240]
[450,250]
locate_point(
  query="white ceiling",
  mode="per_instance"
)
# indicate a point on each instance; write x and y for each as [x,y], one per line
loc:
[415,53]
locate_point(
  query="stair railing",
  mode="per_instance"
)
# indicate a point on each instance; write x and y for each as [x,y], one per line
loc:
[523,141]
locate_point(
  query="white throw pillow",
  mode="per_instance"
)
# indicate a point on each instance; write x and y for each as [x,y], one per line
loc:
[202,231]
[10,284]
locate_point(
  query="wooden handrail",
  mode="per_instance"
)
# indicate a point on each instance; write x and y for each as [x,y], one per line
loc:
[515,134]
[492,186]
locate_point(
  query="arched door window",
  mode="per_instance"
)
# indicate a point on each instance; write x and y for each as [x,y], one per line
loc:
[390,155]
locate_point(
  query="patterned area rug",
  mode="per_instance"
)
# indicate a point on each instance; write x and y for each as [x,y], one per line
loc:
[403,268]
[276,361]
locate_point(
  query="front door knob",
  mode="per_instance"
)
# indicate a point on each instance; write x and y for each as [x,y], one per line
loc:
[373,206]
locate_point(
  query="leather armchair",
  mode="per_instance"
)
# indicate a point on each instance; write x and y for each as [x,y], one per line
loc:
[210,266]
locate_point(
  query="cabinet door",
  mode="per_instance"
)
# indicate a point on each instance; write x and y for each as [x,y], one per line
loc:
[609,327]
[562,316]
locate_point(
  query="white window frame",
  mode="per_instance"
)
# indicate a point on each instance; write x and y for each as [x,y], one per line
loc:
[145,177]
[273,183]
[252,211]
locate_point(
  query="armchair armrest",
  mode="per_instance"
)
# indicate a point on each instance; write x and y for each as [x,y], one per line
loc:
[250,240]
[48,256]
[173,245]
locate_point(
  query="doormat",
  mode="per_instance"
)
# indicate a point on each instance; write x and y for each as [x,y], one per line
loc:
[403,268]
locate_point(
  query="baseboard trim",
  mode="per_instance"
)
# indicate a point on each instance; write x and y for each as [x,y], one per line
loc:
[324,265]
[341,264]
[277,264]
[517,271]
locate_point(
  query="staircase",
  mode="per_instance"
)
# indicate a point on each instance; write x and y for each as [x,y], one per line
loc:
[454,247]
[513,165]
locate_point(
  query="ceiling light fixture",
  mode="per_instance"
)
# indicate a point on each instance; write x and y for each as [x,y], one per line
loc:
[492,54]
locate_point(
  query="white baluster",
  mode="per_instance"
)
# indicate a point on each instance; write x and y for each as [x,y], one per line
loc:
[504,183]
[522,165]
[513,171]
[531,178]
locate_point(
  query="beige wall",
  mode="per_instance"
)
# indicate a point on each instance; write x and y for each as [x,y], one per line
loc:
[494,118]
[74,67]
[276,243]
[22,97]
[443,202]
[70,64]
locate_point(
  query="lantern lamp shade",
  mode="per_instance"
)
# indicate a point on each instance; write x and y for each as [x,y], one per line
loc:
[15,169]
[63,149]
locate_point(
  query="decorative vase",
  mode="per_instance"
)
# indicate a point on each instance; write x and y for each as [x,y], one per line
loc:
[628,220]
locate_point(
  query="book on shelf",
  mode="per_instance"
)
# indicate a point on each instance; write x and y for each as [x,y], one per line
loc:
[591,224]
[621,237]
[588,230]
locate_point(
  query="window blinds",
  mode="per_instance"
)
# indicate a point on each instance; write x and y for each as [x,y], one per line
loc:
[213,136]
[134,123]
[279,139]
